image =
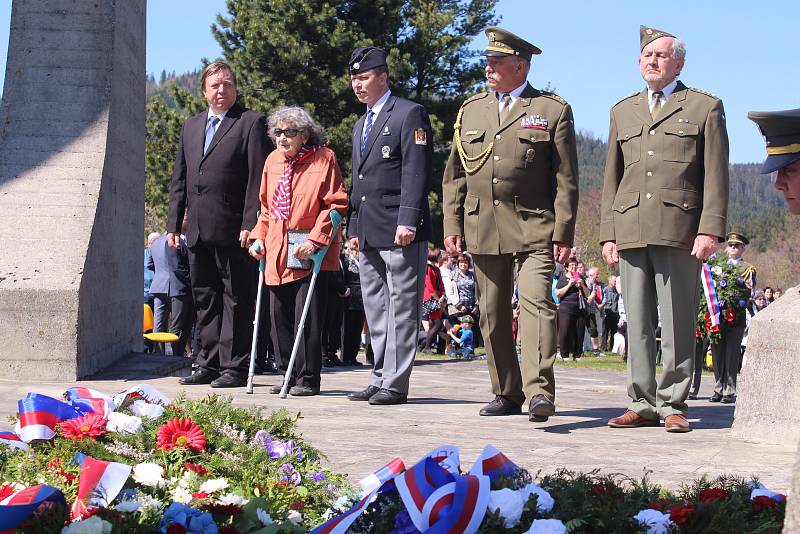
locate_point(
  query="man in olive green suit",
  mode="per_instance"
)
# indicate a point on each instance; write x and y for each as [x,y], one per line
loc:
[664,209]
[511,189]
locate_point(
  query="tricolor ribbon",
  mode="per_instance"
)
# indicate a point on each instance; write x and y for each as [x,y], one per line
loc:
[16,508]
[39,415]
[375,480]
[493,464]
[710,291]
[90,401]
[13,440]
[340,523]
[99,483]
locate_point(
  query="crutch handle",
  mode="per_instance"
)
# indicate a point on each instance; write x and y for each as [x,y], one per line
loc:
[319,255]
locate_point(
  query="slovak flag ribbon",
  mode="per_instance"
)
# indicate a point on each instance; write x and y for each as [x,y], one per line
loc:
[99,483]
[90,401]
[457,507]
[13,440]
[710,292]
[383,475]
[39,415]
[418,483]
[340,523]
[493,464]
[16,508]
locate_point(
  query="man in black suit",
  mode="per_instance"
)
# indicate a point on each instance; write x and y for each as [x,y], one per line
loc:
[217,177]
[389,219]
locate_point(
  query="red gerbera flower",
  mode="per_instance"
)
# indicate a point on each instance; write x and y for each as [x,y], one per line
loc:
[201,495]
[680,514]
[182,433]
[89,426]
[710,495]
[729,315]
[197,468]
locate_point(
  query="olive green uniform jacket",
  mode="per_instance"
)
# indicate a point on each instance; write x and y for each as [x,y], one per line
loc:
[666,180]
[525,195]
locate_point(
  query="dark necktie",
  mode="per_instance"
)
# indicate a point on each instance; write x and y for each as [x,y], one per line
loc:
[367,129]
[211,129]
[505,106]
[656,105]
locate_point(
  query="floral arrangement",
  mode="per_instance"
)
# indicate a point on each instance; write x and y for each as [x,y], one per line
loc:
[723,300]
[197,466]
[436,496]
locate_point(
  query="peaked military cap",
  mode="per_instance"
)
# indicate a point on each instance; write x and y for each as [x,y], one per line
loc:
[736,237]
[504,43]
[781,129]
[365,58]
[648,35]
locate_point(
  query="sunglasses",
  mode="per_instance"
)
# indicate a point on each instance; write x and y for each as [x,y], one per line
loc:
[288,132]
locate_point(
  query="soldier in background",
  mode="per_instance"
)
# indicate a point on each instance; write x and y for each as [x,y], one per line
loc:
[511,190]
[781,129]
[664,209]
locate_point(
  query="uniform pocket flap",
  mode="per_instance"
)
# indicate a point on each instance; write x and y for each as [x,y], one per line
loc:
[681,129]
[681,198]
[626,201]
[390,200]
[627,133]
[471,203]
[524,207]
[532,135]
[472,136]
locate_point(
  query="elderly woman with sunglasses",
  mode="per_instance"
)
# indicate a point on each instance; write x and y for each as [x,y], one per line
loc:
[301,185]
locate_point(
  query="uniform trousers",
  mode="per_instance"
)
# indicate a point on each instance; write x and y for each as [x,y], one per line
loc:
[667,279]
[726,356]
[392,285]
[537,322]
[223,282]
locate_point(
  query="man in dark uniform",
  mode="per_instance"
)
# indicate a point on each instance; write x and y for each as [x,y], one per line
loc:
[511,190]
[217,177]
[781,129]
[664,208]
[389,220]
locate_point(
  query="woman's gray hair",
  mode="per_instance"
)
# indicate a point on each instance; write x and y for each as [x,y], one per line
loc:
[296,117]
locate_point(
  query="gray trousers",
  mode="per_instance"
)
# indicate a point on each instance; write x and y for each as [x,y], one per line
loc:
[667,279]
[726,356]
[392,284]
[173,315]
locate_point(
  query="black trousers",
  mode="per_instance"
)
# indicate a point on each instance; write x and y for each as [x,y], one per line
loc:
[223,281]
[610,322]
[351,336]
[332,312]
[700,350]
[286,307]
[571,327]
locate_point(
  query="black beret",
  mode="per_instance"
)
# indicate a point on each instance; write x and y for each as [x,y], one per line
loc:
[365,58]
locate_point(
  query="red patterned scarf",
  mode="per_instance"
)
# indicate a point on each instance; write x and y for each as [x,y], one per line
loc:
[282,197]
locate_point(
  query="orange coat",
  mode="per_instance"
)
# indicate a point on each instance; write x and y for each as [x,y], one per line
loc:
[317,188]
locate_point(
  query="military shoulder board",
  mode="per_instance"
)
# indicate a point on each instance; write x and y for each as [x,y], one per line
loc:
[474,97]
[554,97]
[701,91]
[626,97]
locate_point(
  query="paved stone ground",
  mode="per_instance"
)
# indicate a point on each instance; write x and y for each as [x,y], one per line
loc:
[443,409]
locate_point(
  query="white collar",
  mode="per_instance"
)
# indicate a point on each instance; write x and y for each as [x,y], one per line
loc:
[515,94]
[666,91]
[379,104]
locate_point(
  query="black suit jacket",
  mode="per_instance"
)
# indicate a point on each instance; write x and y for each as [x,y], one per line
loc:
[220,188]
[392,179]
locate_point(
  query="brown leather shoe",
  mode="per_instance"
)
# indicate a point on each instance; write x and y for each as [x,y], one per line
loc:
[676,423]
[631,419]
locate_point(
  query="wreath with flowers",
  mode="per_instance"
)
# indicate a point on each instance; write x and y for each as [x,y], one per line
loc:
[724,295]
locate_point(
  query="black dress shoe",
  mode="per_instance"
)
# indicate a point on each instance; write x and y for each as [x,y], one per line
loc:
[716,397]
[275,389]
[364,394]
[692,395]
[201,376]
[501,406]
[351,363]
[229,380]
[303,391]
[728,399]
[386,397]
[540,409]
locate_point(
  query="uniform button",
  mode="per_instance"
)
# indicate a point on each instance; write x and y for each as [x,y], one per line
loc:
[649,195]
[495,180]
[496,158]
[680,132]
[201,172]
[496,202]
[649,173]
[685,205]
[363,198]
[498,137]
[652,132]
[650,152]
[626,136]
[360,176]
[621,207]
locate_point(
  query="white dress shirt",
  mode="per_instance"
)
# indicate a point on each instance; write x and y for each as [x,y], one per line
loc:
[667,91]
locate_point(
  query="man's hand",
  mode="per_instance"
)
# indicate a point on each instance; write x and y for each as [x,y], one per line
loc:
[243,235]
[174,240]
[452,244]
[403,236]
[353,242]
[704,246]
[305,250]
[610,253]
[261,250]
[561,251]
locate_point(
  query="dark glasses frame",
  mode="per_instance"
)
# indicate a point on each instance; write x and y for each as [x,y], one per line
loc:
[288,132]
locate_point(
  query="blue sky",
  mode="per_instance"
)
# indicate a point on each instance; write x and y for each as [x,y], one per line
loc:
[741,51]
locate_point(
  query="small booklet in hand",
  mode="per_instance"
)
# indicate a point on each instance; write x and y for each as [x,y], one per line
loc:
[297,238]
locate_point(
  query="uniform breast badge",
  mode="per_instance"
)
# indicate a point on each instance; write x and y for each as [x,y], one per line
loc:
[420,136]
[529,154]
[534,121]
[386,131]
[385,150]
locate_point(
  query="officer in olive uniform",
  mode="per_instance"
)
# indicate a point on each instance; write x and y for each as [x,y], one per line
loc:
[511,190]
[727,354]
[781,129]
[664,208]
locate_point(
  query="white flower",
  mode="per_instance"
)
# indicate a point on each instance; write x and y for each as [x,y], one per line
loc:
[509,503]
[128,506]
[295,517]
[145,409]
[764,492]
[230,498]
[717,270]
[214,484]
[180,494]
[343,503]
[93,525]
[547,526]
[544,503]
[149,503]
[264,517]
[655,521]
[119,422]
[149,474]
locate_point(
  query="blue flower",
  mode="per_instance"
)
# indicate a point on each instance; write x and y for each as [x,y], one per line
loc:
[742,303]
[289,474]
[316,476]
[193,520]
[740,280]
[723,283]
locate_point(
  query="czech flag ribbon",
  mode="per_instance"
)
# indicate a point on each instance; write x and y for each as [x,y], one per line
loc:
[494,464]
[39,414]
[448,457]
[99,483]
[16,508]
[13,440]
[710,291]
[457,507]
[375,480]
[90,401]
[418,483]
[340,523]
